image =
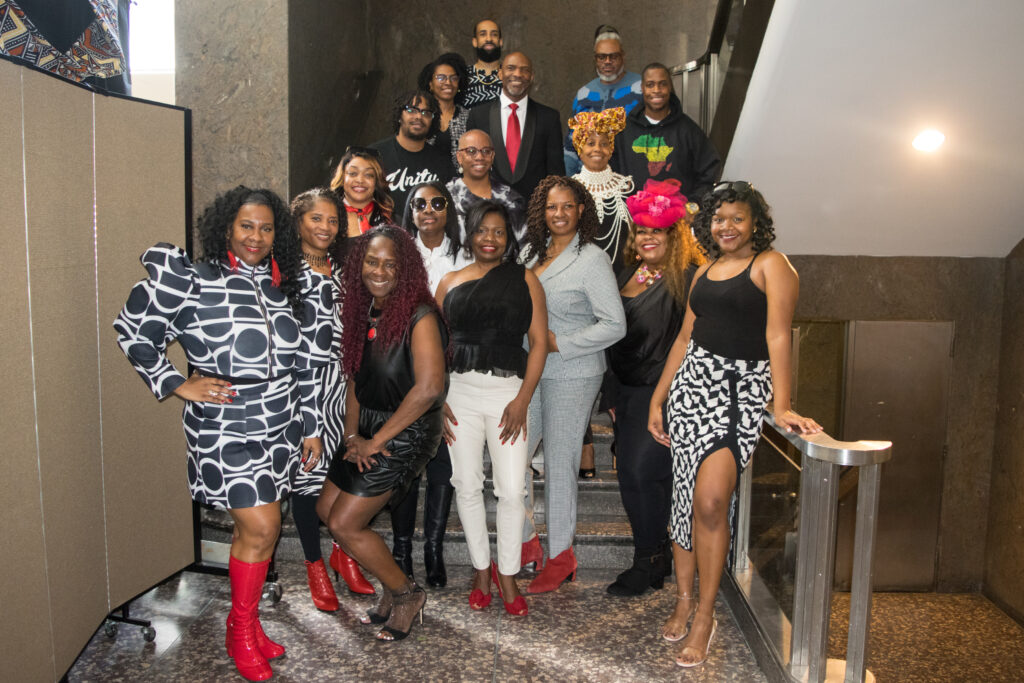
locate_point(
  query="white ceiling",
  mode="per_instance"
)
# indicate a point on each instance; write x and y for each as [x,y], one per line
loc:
[839,91]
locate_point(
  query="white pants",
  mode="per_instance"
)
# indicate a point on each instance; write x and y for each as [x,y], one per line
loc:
[478,400]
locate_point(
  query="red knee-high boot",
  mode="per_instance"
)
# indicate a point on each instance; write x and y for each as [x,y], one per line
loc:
[243,622]
[267,647]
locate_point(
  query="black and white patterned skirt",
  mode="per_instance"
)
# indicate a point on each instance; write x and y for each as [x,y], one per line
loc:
[714,402]
[244,453]
[332,389]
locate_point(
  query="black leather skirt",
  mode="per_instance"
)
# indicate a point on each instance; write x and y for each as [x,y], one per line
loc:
[410,451]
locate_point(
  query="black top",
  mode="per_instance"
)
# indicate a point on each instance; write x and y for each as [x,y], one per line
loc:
[385,376]
[404,169]
[653,321]
[489,318]
[732,316]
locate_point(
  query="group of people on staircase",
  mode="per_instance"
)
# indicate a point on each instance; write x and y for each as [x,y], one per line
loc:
[402,321]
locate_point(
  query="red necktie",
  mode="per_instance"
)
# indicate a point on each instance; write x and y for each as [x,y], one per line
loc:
[364,215]
[513,137]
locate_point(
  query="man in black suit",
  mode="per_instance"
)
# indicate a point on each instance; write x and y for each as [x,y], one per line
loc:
[527,135]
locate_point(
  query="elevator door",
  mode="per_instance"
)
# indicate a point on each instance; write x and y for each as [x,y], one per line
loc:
[897,389]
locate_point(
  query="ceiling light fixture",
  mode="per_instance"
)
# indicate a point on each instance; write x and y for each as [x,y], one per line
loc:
[928,140]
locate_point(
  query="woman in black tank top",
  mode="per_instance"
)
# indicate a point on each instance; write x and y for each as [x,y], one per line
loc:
[731,357]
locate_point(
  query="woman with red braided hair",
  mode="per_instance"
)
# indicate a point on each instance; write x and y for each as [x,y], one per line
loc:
[393,344]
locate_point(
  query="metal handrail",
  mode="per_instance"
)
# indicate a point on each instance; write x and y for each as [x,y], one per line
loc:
[821,459]
[707,62]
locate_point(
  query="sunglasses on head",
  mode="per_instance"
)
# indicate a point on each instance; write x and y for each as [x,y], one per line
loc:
[425,113]
[735,186]
[436,203]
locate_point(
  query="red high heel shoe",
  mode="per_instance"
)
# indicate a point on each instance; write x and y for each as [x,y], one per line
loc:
[478,600]
[349,570]
[532,553]
[320,588]
[518,607]
[558,569]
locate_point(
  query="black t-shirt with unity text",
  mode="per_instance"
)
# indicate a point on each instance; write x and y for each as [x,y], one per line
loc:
[405,170]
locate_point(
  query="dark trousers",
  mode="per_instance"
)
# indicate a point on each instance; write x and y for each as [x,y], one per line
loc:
[644,467]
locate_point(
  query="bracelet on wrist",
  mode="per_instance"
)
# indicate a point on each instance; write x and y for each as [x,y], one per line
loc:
[350,437]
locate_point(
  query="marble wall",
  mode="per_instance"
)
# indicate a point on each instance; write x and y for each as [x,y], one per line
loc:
[970,293]
[1004,551]
[232,72]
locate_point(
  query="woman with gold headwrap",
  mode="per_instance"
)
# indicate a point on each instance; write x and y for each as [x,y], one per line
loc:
[593,136]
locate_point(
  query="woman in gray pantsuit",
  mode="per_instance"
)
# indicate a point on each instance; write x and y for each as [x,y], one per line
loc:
[584,318]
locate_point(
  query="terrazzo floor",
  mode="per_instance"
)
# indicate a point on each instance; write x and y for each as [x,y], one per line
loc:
[578,633]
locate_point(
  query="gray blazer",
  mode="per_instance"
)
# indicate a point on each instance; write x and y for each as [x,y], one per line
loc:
[584,310]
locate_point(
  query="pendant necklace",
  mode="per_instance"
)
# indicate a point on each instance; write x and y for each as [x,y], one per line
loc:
[371,333]
[646,276]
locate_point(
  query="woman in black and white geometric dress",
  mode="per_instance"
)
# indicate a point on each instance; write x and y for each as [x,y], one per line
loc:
[732,356]
[252,411]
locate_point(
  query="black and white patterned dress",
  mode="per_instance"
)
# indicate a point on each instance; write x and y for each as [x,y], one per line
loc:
[717,401]
[237,324]
[331,382]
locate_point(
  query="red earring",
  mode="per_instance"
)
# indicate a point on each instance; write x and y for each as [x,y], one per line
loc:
[275,272]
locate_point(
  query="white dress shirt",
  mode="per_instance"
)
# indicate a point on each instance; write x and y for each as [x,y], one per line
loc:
[438,262]
[505,112]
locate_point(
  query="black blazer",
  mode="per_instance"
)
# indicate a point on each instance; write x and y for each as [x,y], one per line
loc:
[540,153]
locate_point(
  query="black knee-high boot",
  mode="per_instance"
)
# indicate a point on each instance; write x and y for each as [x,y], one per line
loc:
[436,507]
[403,526]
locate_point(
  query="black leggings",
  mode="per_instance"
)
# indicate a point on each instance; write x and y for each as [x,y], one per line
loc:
[645,469]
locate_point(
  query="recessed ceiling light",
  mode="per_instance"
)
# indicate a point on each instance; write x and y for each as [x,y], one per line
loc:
[928,140]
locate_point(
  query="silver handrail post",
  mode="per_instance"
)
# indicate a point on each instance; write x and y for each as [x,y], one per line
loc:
[741,544]
[868,483]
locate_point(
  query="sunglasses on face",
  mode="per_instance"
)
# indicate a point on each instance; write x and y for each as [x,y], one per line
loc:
[451,78]
[425,113]
[436,203]
[735,186]
[485,152]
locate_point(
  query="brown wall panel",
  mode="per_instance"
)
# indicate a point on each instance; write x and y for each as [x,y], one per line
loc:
[58,134]
[140,200]
[24,603]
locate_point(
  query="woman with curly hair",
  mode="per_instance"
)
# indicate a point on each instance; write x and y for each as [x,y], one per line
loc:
[662,256]
[431,220]
[315,217]
[447,78]
[359,179]
[584,318]
[392,348]
[252,408]
[731,357]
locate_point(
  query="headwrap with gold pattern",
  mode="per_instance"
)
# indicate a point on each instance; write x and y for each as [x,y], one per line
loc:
[609,122]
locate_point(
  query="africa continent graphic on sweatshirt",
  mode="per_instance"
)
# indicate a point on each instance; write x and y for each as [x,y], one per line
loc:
[654,148]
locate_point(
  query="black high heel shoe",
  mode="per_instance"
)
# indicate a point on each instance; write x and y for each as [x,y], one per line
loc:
[381,611]
[405,607]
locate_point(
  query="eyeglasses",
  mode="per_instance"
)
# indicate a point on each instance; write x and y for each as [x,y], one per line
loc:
[735,186]
[607,56]
[355,150]
[436,203]
[485,152]
[425,113]
[451,78]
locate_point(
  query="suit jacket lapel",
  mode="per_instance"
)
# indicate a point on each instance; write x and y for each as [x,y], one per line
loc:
[562,261]
[501,164]
[523,160]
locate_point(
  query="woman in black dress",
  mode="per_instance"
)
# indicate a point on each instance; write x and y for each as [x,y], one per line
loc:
[491,305]
[662,255]
[251,411]
[393,341]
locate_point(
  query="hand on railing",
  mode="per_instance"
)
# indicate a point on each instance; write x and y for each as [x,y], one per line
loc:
[790,420]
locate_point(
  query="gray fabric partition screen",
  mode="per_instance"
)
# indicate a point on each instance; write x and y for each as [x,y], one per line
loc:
[96,507]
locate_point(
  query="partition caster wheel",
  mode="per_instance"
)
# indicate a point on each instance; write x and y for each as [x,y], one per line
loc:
[148,634]
[110,629]
[272,593]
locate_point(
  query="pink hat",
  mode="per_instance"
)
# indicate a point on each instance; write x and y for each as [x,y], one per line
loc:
[659,205]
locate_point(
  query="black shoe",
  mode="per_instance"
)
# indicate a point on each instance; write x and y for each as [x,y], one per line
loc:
[648,571]
[403,527]
[401,550]
[588,473]
[436,507]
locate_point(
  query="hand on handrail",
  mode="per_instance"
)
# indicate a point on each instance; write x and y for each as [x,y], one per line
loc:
[790,420]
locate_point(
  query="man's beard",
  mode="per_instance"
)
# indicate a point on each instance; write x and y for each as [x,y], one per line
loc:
[416,136]
[614,77]
[488,54]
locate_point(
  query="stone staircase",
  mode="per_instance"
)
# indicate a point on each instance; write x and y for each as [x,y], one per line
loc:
[603,535]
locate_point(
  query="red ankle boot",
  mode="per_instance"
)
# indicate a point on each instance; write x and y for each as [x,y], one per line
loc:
[349,570]
[246,587]
[320,587]
[532,553]
[557,570]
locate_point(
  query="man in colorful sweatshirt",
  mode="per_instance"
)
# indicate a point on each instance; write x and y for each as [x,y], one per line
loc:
[613,87]
[662,142]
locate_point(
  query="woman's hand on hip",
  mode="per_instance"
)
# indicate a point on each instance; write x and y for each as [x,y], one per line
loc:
[205,390]
[447,433]
[513,420]
[312,451]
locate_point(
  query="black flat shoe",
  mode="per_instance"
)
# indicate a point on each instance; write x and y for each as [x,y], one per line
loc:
[589,473]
